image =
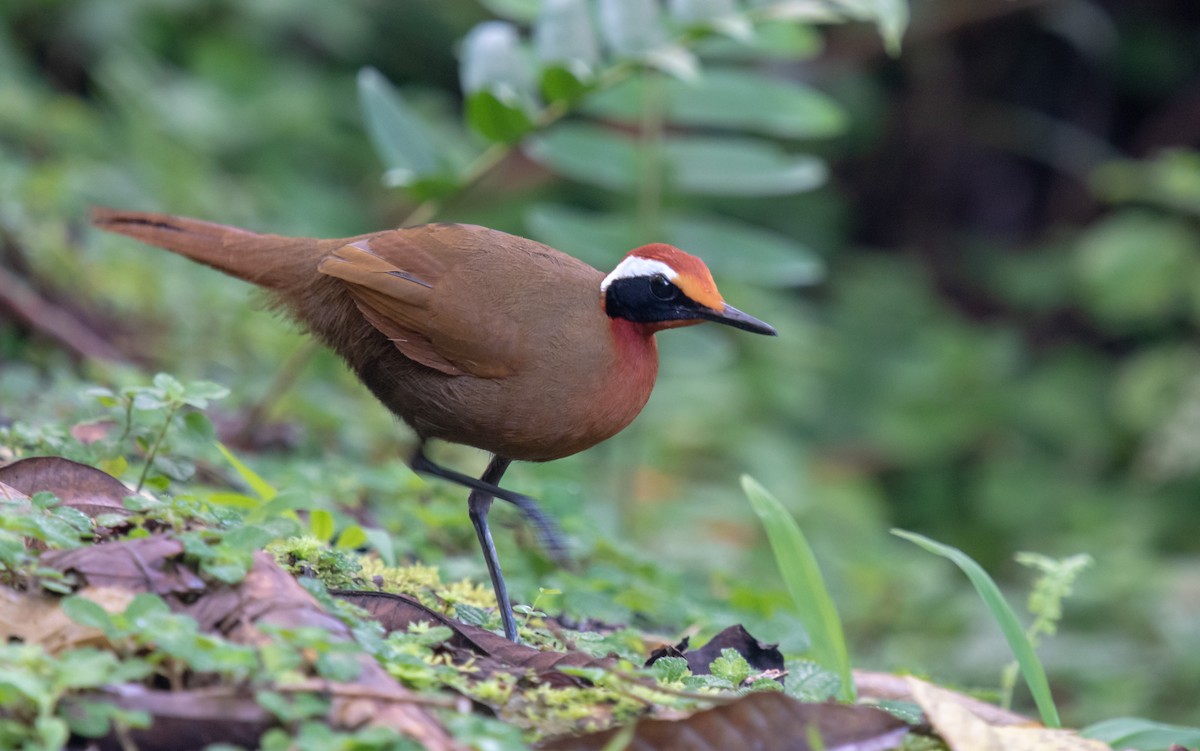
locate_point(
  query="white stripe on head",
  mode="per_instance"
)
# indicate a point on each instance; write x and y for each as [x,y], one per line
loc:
[636,266]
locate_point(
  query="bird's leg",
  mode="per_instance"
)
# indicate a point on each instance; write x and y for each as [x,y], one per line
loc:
[547,531]
[479,503]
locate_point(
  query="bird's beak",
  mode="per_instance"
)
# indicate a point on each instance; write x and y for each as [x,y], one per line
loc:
[731,316]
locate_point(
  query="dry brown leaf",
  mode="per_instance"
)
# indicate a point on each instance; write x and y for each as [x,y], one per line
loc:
[184,719]
[268,595]
[36,618]
[9,493]
[150,564]
[760,656]
[756,721]
[77,485]
[892,687]
[963,730]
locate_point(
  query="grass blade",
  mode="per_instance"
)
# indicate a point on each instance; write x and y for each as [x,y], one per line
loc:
[1018,642]
[261,487]
[802,575]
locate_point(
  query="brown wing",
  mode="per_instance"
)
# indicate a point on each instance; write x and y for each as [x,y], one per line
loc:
[395,278]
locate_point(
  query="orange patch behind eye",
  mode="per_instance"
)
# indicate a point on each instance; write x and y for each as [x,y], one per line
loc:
[695,280]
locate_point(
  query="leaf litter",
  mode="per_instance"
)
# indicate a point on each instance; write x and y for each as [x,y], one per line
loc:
[357,659]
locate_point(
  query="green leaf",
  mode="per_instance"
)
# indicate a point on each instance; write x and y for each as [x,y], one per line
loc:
[144,605]
[701,165]
[732,249]
[719,16]
[700,11]
[86,668]
[199,393]
[802,575]
[809,682]
[496,120]
[587,153]
[564,35]
[670,669]
[250,537]
[498,81]
[169,386]
[891,18]
[260,486]
[1018,642]
[631,27]
[1136,268]
[199,424]
[517,10]
[85,612]
[731,666]
[730,98]
[405,144]
[1138,733]
[320,524]
[382,542]
[561,83]
[739,167]
[776,40]
[352,537]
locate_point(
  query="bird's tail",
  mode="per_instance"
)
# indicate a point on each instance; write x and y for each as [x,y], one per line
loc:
[271,261]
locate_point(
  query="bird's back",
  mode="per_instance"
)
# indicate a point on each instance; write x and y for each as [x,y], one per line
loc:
[468,334]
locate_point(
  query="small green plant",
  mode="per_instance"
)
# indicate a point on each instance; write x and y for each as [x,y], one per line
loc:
[1053,585]
[43,520]
[1018,641]
[802,575]
[34,684]
[159,403]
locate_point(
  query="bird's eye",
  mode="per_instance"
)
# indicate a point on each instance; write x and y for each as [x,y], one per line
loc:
[662,288]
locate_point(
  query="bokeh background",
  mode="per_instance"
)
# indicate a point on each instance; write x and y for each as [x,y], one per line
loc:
[988,306]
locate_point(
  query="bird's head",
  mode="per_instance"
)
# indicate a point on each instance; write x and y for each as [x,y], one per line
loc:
[662,287]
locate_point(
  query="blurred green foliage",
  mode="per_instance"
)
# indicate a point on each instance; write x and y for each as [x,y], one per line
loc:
[1064,418]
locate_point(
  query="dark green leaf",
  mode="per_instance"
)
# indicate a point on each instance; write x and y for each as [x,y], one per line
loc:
[496,120]
[562,83]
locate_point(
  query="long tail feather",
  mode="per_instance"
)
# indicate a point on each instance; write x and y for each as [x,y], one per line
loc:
[271,261]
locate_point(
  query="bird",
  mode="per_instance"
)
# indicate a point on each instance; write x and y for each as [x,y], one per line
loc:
[471,335]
